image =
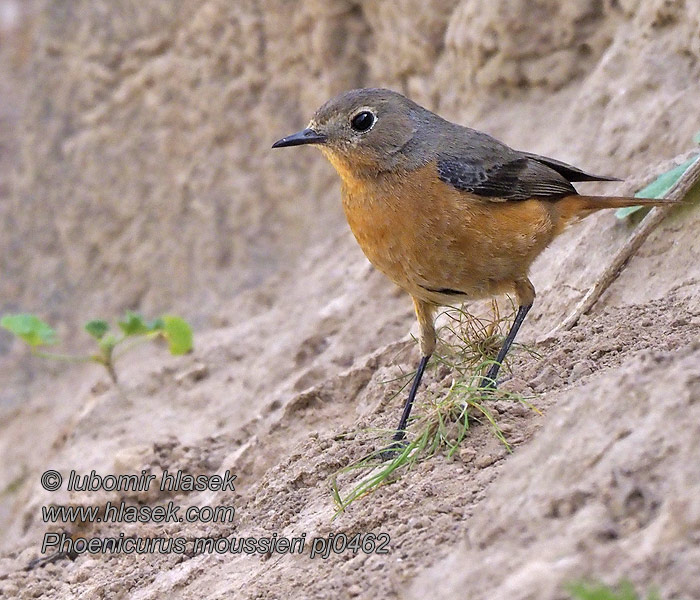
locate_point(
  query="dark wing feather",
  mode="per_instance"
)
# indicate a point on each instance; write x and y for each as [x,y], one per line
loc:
[570,172]
[517,177]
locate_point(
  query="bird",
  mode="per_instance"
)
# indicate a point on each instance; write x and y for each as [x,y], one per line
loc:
[448,213]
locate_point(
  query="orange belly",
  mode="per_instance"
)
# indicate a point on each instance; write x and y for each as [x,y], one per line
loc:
[427,236]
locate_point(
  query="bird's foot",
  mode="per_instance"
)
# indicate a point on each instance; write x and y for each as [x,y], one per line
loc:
[42,561]
[395,448]
[488,382]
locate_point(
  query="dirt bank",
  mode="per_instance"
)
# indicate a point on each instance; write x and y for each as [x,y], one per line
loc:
[143,179]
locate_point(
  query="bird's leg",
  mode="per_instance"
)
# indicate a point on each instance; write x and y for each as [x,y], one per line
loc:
[525,293]
[489,381]
[425,313]
[401,429]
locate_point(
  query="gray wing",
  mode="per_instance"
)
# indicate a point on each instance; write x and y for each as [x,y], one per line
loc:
[570,172]
[517,179]
[486,167]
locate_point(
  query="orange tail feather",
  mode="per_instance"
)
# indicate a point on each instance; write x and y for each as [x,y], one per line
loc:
[577,207]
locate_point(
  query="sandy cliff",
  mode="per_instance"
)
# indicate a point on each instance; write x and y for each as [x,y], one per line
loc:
[140,176]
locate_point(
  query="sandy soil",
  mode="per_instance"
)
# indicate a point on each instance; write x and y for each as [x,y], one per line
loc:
[600,484]
[299,341]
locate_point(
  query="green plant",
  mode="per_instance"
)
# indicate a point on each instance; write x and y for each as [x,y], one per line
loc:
[467,345]
[132,329]
[657,188]
[598,591]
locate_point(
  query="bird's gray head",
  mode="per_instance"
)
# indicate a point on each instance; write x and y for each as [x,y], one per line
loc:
[366,131]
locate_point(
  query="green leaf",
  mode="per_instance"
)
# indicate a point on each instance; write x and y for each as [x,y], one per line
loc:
[97,328]
[657,188]
[178,333]
[665,181]
[133,324]
[621,213]
[30,328]
[696,138]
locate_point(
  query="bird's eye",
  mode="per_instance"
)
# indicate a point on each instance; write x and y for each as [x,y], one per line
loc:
[362,121]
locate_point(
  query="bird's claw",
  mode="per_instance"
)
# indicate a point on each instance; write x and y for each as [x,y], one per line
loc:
[393,450]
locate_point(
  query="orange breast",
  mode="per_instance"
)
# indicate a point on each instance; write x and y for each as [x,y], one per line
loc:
[426,235]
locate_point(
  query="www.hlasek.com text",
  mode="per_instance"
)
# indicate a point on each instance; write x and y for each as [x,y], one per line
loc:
[129,513]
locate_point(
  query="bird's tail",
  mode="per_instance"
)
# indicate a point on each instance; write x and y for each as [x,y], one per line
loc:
[576,207]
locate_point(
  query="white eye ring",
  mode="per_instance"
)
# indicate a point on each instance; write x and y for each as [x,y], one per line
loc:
[363,121]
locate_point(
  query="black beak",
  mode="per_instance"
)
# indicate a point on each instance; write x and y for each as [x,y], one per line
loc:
[306,136]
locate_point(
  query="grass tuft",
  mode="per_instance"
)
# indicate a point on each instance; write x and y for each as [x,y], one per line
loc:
[467,345]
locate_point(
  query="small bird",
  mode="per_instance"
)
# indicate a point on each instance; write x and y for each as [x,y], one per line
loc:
[446,212]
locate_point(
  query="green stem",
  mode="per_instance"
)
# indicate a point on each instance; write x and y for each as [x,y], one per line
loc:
[66,357]
[134,341]
[107,360]
[112,373]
